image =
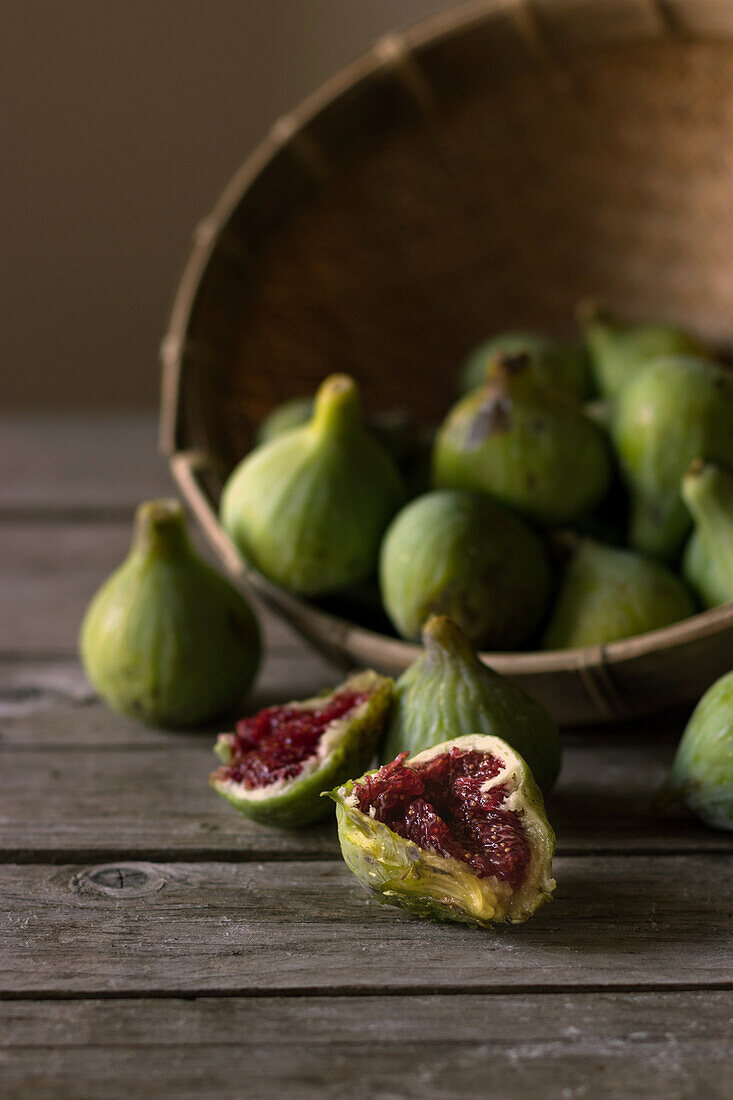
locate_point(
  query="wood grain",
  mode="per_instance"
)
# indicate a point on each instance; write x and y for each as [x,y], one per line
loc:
[80,783]
[136,928]
[429,1048]
[51,570]
[104,464]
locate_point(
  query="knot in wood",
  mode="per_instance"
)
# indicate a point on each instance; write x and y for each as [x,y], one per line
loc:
[120,880]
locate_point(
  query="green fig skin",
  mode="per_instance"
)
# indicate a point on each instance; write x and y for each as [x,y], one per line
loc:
[702,773]
[462,555]
[619,351]
[707,563]
[436,887]
[675,411]
[559,366]
[308,509]
[291,414]
[293,803]
[166,640]
[449,689]
[608,594]
[527,446]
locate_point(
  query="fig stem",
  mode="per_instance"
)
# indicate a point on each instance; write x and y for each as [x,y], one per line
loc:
[161,525]
[441,637]
[337,406]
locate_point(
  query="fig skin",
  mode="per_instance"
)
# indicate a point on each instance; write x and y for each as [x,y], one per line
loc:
[702,773]
[676,410]
[308,509]
[448,688]
[707,563]
[433,886]
[462,555]
[608,594]
[619,351]
[527,446]
[560,366]
[290,414]
[298,801]
[166,640]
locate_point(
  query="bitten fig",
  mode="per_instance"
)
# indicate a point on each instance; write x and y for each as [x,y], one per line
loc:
[166,640]
[457,833]
[527,446]
[462,555]
[448,688]
[674,411]
[707,563]
[608,594]
[560,366]
[276,764]
[618,351]
[702,773]
[309,508]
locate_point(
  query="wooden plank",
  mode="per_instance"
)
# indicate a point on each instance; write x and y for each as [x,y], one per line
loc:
[504,1046]
[49,572]
[106,463]
[78,782]
[146,928]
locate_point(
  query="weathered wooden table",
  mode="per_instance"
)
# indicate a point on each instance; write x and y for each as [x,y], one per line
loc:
[155,944]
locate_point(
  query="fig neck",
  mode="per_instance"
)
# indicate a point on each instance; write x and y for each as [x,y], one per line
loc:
[708,493]
[160,527]
[445,642]
[337,409]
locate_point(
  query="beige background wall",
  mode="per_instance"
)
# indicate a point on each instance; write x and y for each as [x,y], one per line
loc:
[121,120]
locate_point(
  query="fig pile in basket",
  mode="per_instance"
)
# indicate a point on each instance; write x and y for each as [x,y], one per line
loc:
[574,495]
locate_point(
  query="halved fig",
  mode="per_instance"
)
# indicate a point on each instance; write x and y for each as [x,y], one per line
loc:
[457,833]
[276,763]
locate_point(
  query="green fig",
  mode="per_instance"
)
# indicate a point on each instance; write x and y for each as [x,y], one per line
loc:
[448,689]
[525,445]
[618,351]
[457,833]
[276,763]
[674,411]
[166,640]
[462,555]
[702,773]
[291,414]
[608,594]
[707,563]
[308,509]
[559,366]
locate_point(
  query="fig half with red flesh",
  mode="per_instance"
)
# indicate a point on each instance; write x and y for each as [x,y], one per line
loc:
[276,764]
[459,833]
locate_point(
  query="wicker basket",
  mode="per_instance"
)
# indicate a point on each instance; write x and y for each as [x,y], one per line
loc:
[483,170]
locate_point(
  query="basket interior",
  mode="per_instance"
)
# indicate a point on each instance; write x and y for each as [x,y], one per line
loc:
[476,187]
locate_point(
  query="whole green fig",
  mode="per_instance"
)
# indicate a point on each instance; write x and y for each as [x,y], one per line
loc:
[462,555]
[674,411]
[291,414]
[618,351]
[608,594]
[707,563]
[166,640]
[560,366]
[308,509]
[525,445]
[702,773]
[449,689]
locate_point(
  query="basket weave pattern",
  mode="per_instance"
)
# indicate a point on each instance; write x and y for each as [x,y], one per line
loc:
[482,171]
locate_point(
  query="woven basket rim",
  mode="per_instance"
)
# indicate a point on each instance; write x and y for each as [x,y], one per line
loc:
[381,56]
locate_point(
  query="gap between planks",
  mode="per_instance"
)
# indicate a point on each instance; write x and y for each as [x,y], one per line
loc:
[386,991]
